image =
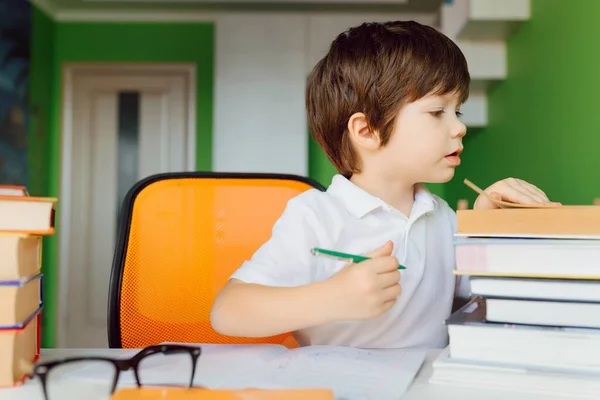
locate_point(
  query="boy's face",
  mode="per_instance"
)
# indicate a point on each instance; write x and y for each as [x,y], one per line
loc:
[426,142]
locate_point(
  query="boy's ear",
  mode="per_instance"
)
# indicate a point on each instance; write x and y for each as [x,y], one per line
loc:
[360,134]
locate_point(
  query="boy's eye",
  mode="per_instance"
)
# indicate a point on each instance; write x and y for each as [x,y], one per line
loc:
[439,113]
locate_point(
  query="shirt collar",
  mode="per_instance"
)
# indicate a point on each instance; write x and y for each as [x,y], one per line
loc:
[359,203]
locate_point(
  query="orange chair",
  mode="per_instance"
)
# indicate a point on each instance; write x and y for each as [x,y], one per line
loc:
[181,235]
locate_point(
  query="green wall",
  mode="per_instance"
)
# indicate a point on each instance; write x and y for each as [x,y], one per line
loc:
[544,119]
[320,168]
[58,43]
[146,42]
[40,137]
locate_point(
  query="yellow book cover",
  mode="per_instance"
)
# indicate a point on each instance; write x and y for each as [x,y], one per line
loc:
[145,393]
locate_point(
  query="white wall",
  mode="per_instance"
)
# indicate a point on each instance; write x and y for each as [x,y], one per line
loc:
[261,64]
[258,102]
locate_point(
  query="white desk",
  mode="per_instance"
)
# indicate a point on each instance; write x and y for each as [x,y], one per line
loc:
[419,390]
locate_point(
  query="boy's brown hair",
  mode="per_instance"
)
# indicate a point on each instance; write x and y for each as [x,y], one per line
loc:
[375,68]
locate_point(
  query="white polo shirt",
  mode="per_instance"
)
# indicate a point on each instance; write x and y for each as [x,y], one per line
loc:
[348,219]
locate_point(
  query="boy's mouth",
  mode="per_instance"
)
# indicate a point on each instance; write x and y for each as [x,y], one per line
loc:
[455,153]
[454,157]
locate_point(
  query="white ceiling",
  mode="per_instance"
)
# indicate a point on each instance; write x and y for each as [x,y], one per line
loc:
[166,2]
[417,6]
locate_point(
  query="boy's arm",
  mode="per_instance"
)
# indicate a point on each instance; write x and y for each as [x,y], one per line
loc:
[255,310]
[279,290]
[275,291]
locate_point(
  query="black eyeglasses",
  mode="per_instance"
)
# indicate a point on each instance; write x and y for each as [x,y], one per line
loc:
[147,365]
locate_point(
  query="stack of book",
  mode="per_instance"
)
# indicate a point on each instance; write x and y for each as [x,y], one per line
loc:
[24,220]
[533,322]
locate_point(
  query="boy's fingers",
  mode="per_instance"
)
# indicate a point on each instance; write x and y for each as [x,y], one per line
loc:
[382,251]
[389,278]
[534,191]
[384,264]
[392,292]
[514,195]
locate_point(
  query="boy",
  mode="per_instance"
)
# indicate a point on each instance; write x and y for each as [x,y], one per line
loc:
[383,104]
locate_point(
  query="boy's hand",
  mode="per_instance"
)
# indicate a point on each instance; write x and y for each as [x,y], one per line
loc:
[367,289]
[513,190]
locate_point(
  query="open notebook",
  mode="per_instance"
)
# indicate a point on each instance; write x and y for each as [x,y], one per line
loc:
[352,374]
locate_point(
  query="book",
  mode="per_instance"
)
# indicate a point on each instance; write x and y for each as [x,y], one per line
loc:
[13,190]
[221,394]
[534,288]
[34,215]
[559,382]
[532,326]
[564,258]
[19,299]
[547,222]
[20,348]
[475,339]
[542,312]
[21,255]
[23,221]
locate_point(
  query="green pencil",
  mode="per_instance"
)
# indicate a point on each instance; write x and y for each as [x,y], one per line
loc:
[343,256]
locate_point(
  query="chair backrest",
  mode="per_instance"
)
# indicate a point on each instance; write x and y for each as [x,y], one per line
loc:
[181,235]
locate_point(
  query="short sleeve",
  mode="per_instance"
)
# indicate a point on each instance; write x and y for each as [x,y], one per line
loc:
[463,286]
[285,259]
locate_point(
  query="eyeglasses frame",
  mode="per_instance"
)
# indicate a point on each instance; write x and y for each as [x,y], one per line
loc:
[41,370]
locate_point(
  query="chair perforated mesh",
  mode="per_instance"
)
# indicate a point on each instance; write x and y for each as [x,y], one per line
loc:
[180,238]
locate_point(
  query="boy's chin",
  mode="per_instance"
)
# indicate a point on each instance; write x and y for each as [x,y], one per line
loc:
[441,177]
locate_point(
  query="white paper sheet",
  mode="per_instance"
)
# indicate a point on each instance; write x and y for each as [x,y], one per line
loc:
[353,374]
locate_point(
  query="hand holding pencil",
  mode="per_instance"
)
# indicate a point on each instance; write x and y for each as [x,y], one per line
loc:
[369,288]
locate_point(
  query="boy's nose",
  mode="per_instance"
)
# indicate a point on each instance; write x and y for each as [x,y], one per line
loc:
[459,130]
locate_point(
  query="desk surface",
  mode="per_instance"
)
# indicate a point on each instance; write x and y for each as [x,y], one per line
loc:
[419,390]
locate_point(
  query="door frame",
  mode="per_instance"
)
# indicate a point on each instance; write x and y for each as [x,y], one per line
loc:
[69,71]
